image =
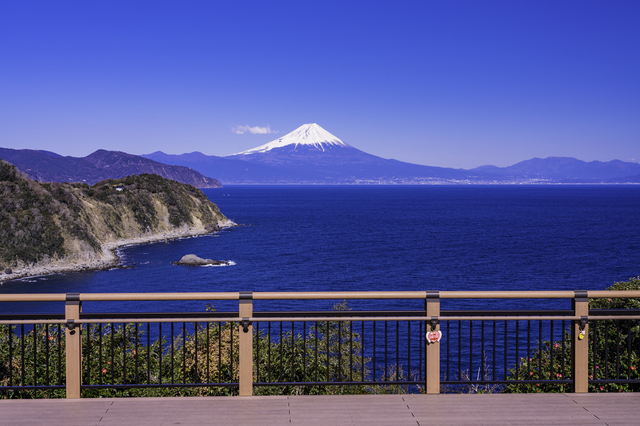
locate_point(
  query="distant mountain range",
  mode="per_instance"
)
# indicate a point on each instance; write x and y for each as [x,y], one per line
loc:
[46,166]
[567,169]
[312,155]
[308,155]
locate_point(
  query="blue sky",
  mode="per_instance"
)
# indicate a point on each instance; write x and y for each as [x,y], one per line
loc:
[438,82]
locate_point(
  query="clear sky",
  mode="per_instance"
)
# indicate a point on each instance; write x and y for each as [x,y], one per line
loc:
[438,82]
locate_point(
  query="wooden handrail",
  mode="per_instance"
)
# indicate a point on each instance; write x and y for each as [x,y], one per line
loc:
[332,319]
[318,295]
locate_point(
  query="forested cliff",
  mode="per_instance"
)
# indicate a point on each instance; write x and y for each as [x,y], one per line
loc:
[72,223]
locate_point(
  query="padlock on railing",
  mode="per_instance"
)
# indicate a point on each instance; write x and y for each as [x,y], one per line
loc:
[434,336]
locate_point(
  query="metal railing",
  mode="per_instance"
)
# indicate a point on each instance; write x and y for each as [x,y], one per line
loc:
[315,351]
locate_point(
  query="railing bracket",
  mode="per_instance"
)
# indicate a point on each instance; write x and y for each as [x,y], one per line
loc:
[71,326]
[245,325]
[583,322]
[434,323]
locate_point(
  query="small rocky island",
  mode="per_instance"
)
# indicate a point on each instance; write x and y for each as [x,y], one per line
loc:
[55,227]
[193,260]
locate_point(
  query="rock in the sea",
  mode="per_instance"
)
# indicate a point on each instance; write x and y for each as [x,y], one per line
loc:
[193,260]
[212,228]
[8,271]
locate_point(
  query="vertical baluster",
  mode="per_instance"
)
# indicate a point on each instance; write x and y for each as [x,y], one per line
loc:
[10,333]
[196,353]
[397,349]
[46,355]
[386,357]
[606,350]
[269,352]
[528,350]
[328,338]
[551,351]
[564,351]
[22,357]
[494,349]
[60,354]
[59,345]
[184,352]
[471,351]
[448,347]
[160,351]
[517,353]
[408,349]
[35,354]
[149,353]
[256,345]
[281,345]
[482,363]
[617,349]
[362,339]
[137,352]
[459,350]
[420,345]
[99,352]
[113,352]
[540,375]
[350,351]
[629,339]
[505,350]
[594,352]
[172,357]
[374,352]
[231,352]
[339,351]
[124,353]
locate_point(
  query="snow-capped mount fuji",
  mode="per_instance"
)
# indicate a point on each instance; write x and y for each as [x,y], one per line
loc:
[308,145]
[304,136]
[313,155]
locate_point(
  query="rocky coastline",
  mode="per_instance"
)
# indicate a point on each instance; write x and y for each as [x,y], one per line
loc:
[109,258]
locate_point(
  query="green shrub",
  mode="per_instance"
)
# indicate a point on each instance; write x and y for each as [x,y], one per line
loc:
[609,341]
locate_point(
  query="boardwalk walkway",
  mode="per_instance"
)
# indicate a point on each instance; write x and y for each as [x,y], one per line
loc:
[413,410]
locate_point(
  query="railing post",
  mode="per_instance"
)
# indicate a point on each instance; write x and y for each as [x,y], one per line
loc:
[73,345]
[432,351]
[245,330]
[580,342]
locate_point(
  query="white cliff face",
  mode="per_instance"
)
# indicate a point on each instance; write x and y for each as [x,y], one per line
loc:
[307,134]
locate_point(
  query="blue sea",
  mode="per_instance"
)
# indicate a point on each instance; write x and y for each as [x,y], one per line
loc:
[337,238]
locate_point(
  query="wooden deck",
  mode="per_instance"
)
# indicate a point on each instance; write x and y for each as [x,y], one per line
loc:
[396,410]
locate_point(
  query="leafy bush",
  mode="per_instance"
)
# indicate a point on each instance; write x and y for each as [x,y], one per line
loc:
[614,347]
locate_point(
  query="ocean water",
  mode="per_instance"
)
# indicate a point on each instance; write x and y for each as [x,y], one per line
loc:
[335,238]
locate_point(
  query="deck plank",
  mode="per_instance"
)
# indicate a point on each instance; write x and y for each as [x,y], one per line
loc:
[411,410]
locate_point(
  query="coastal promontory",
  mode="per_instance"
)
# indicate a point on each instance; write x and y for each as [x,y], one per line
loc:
[55,227]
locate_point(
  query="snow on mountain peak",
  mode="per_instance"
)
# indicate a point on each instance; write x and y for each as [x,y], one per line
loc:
[307,134]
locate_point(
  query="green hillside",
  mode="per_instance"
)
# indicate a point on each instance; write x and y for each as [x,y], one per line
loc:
[42,222]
